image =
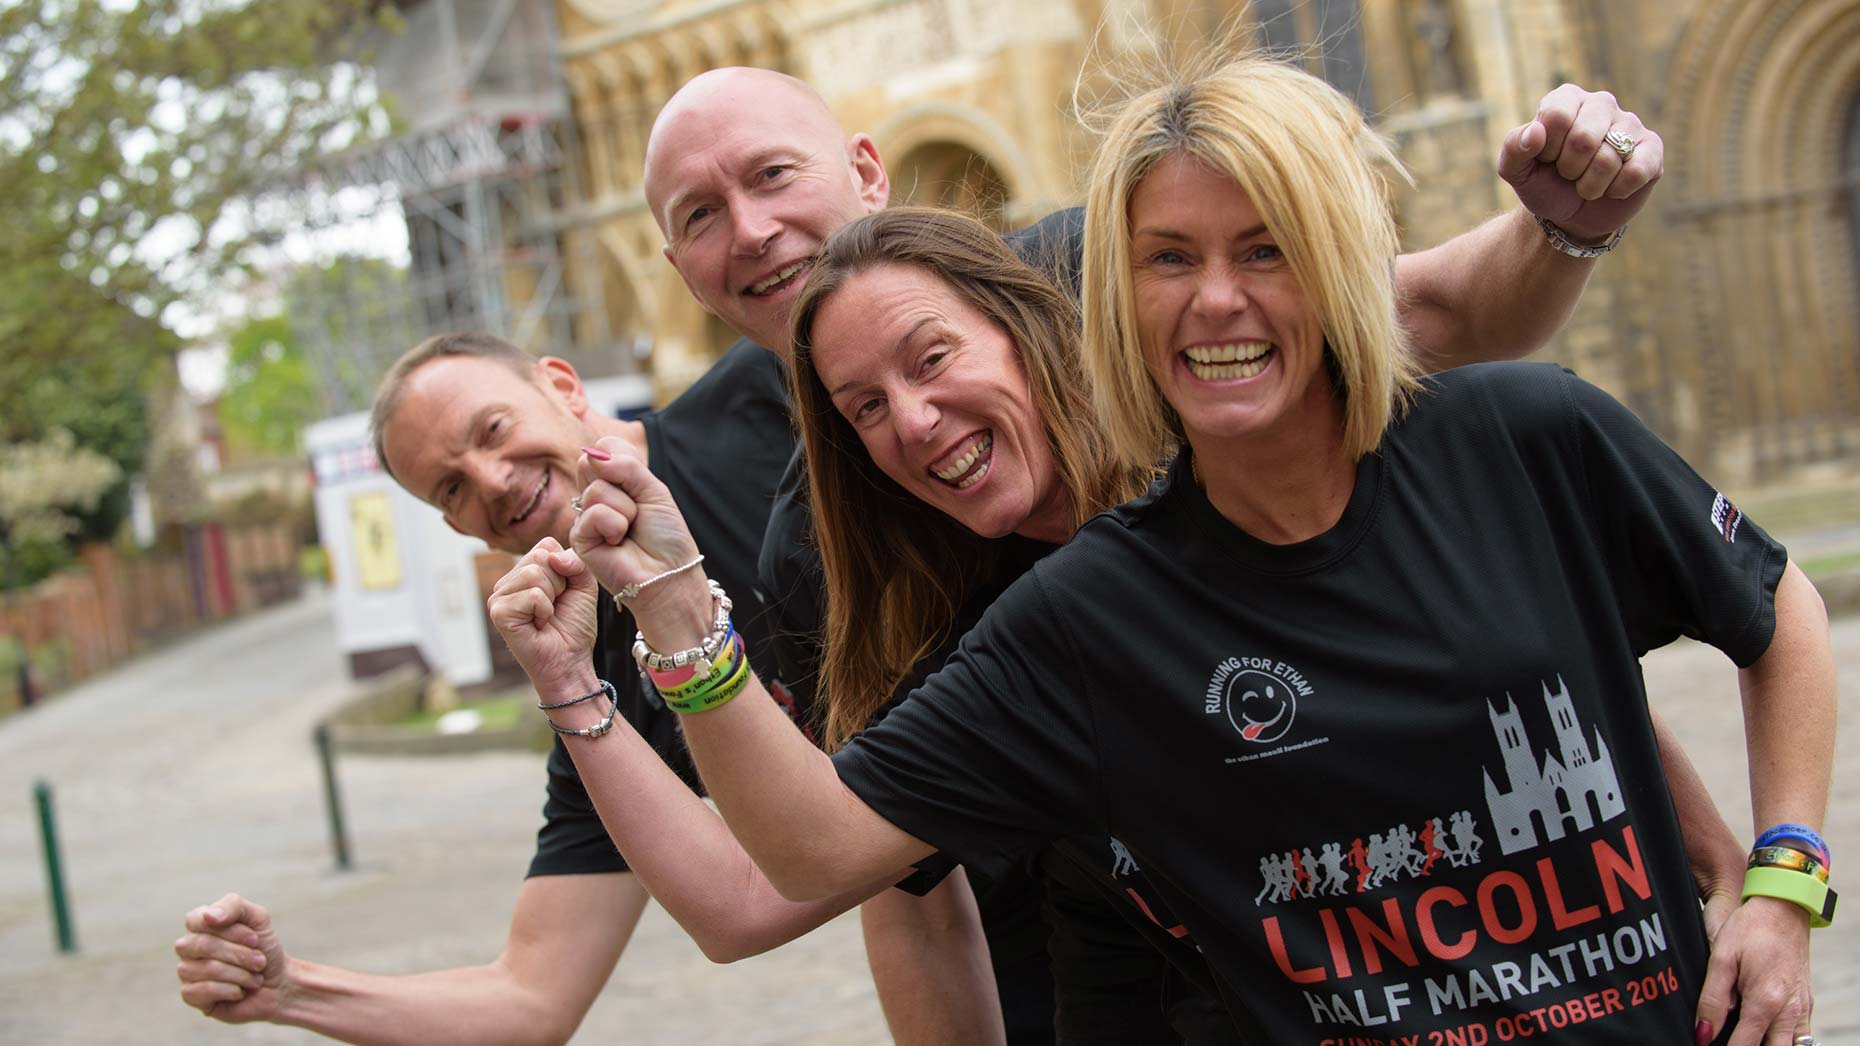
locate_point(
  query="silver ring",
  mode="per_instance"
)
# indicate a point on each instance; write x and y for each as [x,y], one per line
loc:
[1807,1040]
[1622,142]
[575,503]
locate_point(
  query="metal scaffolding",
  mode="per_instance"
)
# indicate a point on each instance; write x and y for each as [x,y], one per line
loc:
[484,180]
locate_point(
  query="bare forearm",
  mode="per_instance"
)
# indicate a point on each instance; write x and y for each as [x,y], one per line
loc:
[472,1004]
[931,966]
[786,804]
[1712,849]
[1499,291]
[1789,711]
[683,852]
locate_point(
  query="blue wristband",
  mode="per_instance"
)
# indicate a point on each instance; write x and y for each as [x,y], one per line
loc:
[1800,833]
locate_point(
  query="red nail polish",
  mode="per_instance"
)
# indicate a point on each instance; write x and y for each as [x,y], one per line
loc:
[597,454]
[1701,1035]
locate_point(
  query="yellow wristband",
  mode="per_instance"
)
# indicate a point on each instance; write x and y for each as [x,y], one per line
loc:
[1795,887]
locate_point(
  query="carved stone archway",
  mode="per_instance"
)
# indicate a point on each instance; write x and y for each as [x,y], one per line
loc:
[1763,233]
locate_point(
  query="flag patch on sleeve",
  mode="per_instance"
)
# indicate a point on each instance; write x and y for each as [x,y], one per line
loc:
[1725,517]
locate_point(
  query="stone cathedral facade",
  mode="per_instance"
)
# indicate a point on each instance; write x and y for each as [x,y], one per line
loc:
[1729,319]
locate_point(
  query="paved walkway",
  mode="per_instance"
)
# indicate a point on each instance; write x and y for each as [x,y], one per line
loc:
[189,772]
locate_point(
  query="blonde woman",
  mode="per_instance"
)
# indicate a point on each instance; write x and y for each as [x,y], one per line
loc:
[1356,683]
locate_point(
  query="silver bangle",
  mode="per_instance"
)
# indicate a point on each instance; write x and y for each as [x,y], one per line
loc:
[606,724]
[1561,241]
[633,590]
[700,655]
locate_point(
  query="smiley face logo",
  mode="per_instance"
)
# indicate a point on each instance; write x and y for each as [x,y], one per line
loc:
[1260,706]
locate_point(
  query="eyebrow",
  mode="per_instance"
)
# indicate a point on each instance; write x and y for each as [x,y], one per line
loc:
[902,342]
[1171,234]
[756,161]
[478,421]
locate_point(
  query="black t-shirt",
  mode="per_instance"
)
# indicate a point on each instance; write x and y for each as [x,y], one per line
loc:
[1112,988]
[1397,779]
[720,447]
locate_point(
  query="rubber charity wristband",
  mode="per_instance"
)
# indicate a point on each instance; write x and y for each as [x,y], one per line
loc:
[1784,857]
[1785,885]
[1800,833]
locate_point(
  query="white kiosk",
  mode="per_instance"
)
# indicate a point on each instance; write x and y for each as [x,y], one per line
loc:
[403,581]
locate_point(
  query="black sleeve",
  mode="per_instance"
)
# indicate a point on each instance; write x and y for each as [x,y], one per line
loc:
[996,753]
[1054,245]
[572,840]
[1685,560]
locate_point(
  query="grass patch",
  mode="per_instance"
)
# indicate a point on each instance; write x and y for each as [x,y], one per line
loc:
[1822,565]
[500,711]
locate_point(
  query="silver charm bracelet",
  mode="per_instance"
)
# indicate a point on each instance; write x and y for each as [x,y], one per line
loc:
[700,655]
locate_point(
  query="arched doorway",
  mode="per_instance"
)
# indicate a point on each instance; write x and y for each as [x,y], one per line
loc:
[1763,261]
[953,177]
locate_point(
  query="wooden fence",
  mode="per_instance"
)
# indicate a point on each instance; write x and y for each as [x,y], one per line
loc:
[81,622]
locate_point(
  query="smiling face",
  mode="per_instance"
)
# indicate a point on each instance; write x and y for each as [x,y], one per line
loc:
[1227,332]
[938,396]
[747,174]
[493,450]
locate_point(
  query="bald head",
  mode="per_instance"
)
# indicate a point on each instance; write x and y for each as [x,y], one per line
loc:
[747,174]
[718,100]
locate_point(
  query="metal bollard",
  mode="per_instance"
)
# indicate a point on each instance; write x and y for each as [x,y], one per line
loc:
[338,831]
[54,867]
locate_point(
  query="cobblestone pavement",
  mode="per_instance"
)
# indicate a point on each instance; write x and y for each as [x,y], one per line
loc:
[189,773]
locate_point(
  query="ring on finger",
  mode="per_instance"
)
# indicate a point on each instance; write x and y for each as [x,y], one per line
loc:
[1807,1040]
[575,503]
[1622,143]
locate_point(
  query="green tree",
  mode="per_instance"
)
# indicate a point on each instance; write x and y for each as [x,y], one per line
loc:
[270,392]
[132,139]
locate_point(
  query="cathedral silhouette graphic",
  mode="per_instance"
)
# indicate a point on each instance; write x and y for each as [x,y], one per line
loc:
[1560,790]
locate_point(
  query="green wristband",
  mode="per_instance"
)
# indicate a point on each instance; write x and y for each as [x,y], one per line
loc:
[729,688]
[1786,884]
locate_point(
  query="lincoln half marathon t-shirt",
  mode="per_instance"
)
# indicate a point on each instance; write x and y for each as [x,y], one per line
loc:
[720,447]
[1398,780]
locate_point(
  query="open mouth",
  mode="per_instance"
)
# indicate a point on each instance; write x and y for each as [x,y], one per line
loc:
[780,279]
[1239,359]
[535,500]
[967,464]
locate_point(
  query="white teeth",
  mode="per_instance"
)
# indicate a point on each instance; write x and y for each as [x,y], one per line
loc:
[962,464]
[534,499]
[1232,352]
[763,285]
[977,478]
[1220,372]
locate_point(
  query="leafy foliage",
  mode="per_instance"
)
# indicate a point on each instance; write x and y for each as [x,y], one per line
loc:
[270,393]
[131,137]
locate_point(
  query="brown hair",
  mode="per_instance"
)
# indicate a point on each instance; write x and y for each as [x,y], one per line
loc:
[896,574]
[465,344]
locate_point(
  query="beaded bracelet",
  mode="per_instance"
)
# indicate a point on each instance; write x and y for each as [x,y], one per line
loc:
[700,655]
[682,683]
[1800,833]
[1784,857]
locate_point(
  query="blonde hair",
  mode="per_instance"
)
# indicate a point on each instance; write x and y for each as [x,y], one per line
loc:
[1305,156]
[898,572]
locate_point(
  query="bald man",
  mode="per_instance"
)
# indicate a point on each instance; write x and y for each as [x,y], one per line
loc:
[747,173]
